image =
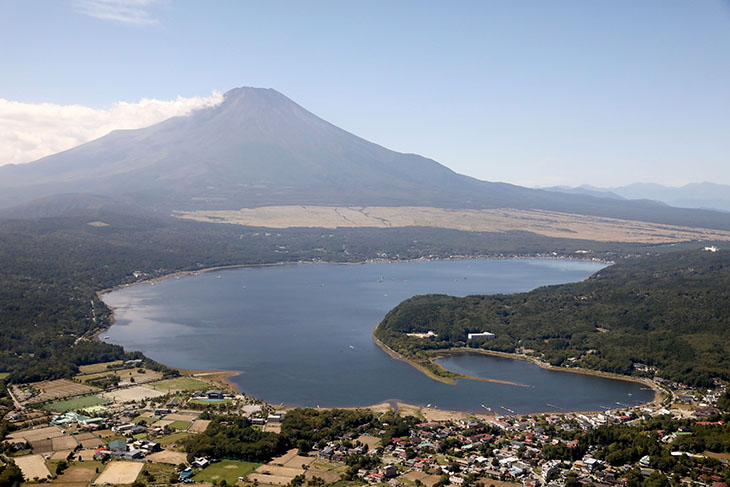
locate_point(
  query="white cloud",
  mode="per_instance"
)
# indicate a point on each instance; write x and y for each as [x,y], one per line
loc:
[125,11]
[31,131]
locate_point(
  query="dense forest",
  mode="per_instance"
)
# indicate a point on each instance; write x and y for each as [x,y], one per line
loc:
[234,437]
[668,312]
[53,268]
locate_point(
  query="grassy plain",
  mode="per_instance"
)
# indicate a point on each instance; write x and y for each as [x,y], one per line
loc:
[547,223]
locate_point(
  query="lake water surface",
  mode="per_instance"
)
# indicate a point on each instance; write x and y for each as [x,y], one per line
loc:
[301,334]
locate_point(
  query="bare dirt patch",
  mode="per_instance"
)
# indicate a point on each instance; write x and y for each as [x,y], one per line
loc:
[76,474]
[548,223]
[281,460]
[167,456]
[64,443]
[199,426]
[132,394]
[182,416]
[279,471]
[32,466]
[119,473]
[61,454]
[269,479]
[86,455]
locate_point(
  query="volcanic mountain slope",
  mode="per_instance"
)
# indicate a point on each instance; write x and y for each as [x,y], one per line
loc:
[259,148]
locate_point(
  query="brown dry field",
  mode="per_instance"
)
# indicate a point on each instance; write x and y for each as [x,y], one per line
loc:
[547,223]
[32,466]
[272,427]
[268,479]
[299,461]
[92,443]
[45,433]
[76,474]
[61,454]
[199,425]
[41,446]
[58,389]
[370,441]
[86,454]
[281,460]
[326,475]
[279,471]
[119,473]
[64,443]
[167,456]
[181,416]
[426,479]
[132,394]
[497,483]
[100,367]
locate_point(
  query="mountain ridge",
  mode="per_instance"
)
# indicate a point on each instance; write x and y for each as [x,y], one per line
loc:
[259,148]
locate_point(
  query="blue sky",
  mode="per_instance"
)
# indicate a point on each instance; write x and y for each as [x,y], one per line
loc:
[529,92]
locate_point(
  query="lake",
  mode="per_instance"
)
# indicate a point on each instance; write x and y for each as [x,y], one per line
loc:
[301,334]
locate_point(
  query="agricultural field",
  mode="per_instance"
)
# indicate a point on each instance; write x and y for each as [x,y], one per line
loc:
[74,404]
[100,367]
[173,438]
[117,473]
[181,384]
[132,394]
[228,470]
[124,376]
[179,425]
[58,389]
[80,473]
[32,466]
[199,426]
[168,456]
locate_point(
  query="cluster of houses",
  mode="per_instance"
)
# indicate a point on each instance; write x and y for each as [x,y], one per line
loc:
[121,450]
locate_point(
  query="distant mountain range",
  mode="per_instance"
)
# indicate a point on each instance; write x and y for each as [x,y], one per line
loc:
[259,148]
[695,195]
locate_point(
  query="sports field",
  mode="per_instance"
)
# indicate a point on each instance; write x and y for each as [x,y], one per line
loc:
[228,470]
[119,473]
[181,384]
[74,404]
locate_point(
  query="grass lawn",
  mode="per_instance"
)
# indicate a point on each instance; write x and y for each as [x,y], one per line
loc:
[181,384]
[170,439]
[4,375]
[75,403]
[179,425]
[101,367]
[228,470]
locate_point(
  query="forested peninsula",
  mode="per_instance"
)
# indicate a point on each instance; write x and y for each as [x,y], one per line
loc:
[657,314]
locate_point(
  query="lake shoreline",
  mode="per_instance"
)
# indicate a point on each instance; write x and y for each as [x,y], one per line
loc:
[659,394]
[229,374]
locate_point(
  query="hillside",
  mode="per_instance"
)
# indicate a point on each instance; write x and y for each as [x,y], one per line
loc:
[259,148]
[668,312]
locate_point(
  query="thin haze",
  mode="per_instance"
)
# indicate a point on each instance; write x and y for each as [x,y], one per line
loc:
[530,92]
